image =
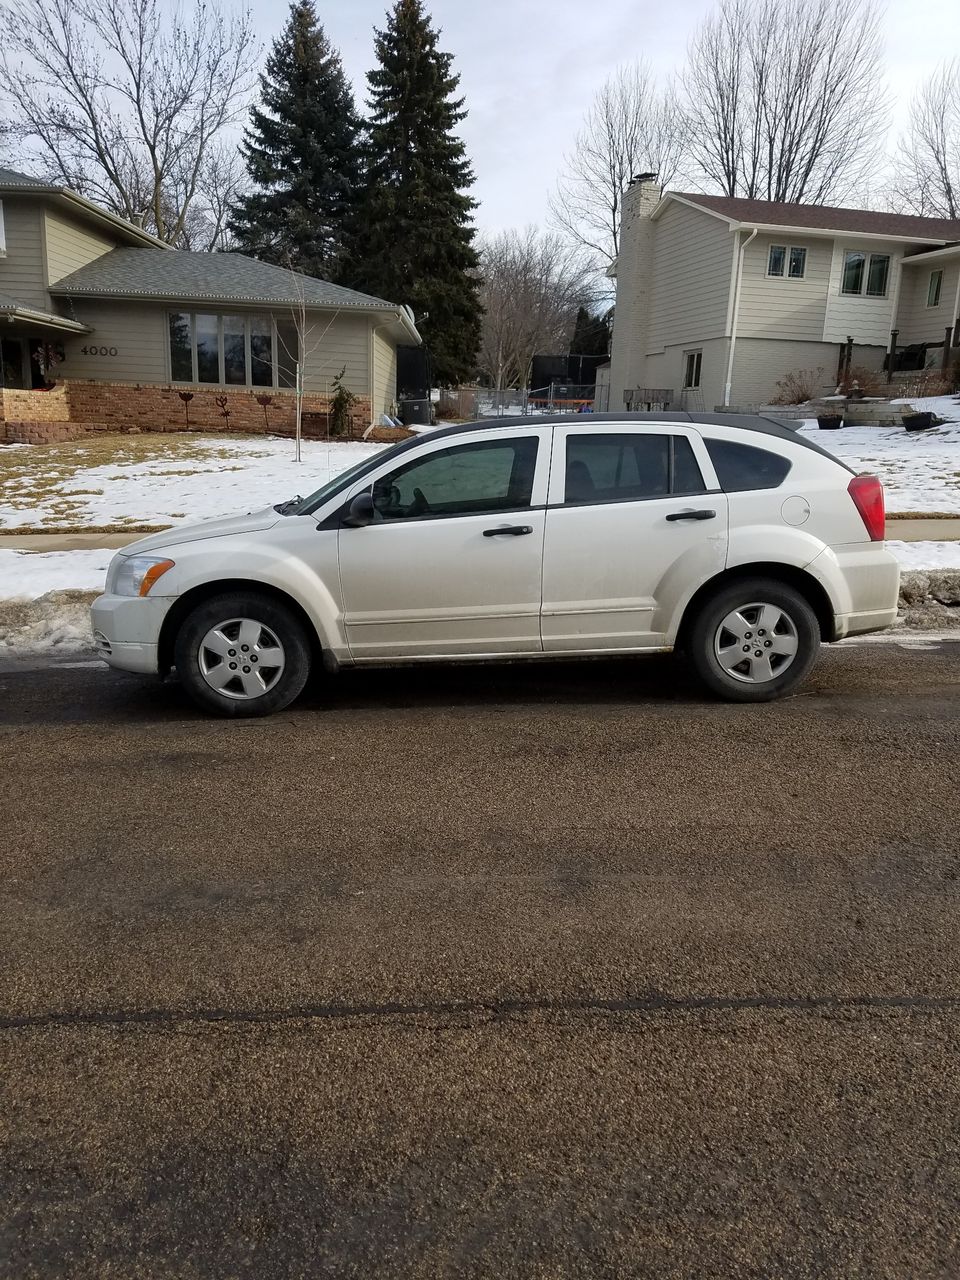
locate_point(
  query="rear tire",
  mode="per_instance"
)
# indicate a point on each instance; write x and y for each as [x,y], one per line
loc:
[242,654]
[754,641]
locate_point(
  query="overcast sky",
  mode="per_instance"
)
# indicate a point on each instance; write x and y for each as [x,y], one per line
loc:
[529,69]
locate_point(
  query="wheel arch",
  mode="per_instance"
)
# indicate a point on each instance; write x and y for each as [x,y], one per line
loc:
[185,604]
[805,583]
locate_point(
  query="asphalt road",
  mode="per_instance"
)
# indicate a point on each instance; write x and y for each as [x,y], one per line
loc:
[496,972]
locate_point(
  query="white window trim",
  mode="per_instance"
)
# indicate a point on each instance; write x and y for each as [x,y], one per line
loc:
[698,353]
[3,234]
[933,306]
[868,256]
[787,250]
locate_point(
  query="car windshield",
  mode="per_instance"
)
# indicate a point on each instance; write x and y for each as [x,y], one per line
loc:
[340,481]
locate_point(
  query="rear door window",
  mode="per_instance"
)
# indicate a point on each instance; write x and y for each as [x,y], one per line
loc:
[624,467]
[742,466]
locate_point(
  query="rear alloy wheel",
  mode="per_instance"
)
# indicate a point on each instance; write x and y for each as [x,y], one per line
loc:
[242,654]
[755,641]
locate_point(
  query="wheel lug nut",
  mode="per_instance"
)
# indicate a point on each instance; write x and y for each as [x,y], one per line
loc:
[758,653]
[233,653]
[246,670]
[768,644]
[749,635]
[746,648]
[244,647]
[233,666]
[761,632]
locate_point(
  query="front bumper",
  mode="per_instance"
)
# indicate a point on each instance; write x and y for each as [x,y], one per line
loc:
[126,630]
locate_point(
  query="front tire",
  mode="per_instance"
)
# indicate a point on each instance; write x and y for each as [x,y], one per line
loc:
[754,641]
[242,654]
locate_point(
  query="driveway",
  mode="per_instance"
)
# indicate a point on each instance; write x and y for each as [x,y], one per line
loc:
[511,972]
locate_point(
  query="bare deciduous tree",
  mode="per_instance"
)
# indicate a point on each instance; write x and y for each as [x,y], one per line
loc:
[631,126]
[785,98]
[928,181]
[124,101]
[533,284]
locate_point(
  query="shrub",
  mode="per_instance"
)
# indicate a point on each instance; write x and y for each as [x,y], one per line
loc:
[799,386]
[340,406]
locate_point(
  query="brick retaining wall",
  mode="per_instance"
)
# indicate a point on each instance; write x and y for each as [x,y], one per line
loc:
[73,409]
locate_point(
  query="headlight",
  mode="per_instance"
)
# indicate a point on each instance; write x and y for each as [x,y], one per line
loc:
[135,575]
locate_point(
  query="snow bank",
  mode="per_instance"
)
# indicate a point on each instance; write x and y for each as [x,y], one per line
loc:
[57,623]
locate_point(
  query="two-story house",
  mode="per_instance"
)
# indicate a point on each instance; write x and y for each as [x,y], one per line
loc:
[124,323]
[720,298]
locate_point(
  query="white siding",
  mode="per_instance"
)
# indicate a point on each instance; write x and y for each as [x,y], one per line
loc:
[693,259]
[776,306]
[70,245]
[21,271]
[916,321]
[866,320]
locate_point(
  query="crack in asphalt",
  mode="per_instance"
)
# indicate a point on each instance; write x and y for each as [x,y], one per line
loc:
[495,1010]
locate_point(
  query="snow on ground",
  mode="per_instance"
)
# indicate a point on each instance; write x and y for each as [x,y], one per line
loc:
[31,574]
[920,470]
[926,555]
[186,478]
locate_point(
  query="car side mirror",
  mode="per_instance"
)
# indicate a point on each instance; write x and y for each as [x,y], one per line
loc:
[361,511]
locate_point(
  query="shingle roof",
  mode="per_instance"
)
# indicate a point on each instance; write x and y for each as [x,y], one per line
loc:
[205,277]
[824,217]
[11,178]
[13,307]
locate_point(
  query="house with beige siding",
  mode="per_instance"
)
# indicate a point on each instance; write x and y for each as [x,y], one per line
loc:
[103,324]
[718,299]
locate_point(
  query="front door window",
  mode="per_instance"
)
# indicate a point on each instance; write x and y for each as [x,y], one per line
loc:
[464,480]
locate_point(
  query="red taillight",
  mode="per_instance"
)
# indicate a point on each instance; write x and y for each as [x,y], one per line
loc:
[867,494]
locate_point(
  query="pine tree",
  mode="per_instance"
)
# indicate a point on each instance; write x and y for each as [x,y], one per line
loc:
[414,238]
[591,335]
[303,154]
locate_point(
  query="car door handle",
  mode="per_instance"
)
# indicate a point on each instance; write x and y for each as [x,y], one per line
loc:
[692,515]
[514,530]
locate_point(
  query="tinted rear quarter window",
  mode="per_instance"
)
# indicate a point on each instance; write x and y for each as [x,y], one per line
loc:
[742,466]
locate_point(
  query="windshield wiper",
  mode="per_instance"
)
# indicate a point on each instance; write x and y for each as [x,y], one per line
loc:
[284,508]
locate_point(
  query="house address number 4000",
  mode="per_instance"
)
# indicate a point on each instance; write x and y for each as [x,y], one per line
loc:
[98,351]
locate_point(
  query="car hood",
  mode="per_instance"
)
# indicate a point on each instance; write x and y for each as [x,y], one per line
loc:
[252,522]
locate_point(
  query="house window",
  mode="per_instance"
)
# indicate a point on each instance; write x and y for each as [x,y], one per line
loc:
[933,288]
[3,237]
[232,350]
[691,369]
[791,260]
[861,269]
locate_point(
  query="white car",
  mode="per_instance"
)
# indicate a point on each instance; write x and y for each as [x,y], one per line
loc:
[727,536]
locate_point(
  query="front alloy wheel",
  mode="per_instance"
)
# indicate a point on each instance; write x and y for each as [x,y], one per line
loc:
[242,654]
[241,658]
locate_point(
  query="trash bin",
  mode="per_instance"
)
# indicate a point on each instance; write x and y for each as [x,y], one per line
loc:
[415,412]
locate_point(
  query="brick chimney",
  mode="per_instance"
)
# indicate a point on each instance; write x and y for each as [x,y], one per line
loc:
[634,271]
